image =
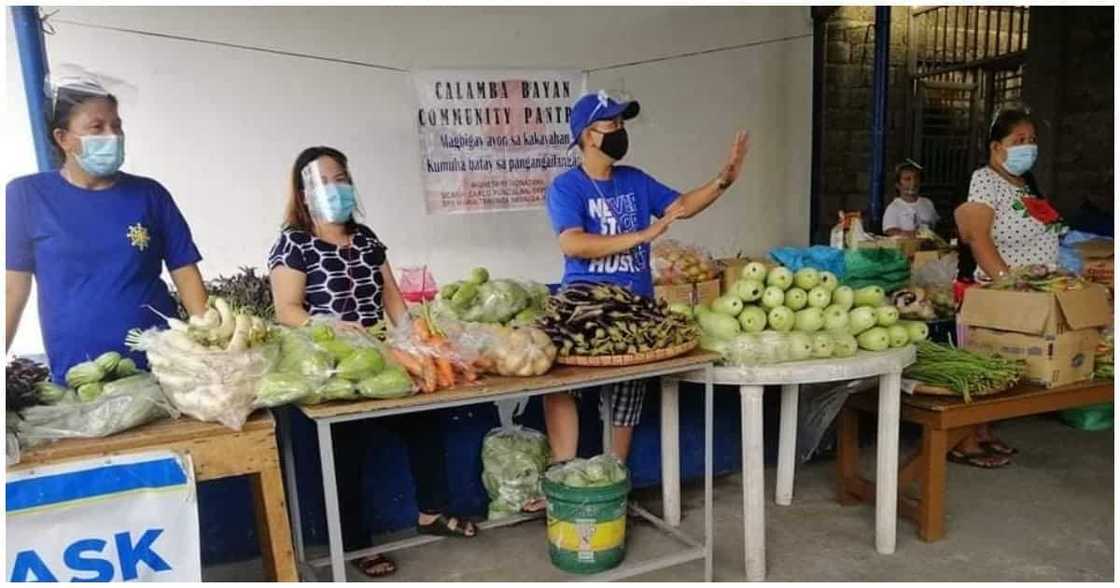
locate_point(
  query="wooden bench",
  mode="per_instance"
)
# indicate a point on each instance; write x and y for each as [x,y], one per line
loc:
[217,452]
[945,421]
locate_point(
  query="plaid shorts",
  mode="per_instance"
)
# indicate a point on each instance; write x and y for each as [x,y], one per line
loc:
[624,401]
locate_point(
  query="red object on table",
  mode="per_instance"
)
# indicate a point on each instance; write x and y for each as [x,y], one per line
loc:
[417,284]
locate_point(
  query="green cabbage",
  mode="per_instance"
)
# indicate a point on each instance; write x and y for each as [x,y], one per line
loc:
[338,348]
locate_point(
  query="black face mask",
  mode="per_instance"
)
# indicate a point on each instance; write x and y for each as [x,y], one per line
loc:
[615,144]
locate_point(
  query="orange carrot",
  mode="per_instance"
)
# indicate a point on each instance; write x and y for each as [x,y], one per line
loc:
[408,361]
[431,380]
[421,330]
[445,373]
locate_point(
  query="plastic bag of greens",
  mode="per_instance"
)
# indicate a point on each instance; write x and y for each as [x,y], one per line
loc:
[496,301]
[513,460]
[599,471]
[124,404]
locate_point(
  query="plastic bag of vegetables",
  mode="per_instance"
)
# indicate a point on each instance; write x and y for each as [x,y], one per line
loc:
[509,351]
[601,470]
[513,460]
[212,384]
[324,362]
[123,404]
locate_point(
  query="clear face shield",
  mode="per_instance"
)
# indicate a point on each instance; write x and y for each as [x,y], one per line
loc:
[329,193]
[102,136]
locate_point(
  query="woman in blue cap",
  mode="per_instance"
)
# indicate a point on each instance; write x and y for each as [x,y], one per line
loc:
[94,239]
[602,213]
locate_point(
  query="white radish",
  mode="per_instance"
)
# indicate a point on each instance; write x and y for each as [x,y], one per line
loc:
[227,325]
[240,339]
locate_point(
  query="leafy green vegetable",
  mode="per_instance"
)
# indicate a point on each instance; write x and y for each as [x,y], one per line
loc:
[448,291]
[479,275]
[599,471]
[465,295]
[513,460]
[321,333]
[338,348]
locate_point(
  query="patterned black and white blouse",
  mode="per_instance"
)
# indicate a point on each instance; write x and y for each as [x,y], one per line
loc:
[344,282]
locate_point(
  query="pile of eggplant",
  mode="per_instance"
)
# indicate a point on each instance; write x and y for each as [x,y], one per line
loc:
[591,320]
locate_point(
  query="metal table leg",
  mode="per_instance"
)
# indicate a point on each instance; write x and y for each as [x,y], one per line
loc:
[754,494]
[709,430]
[787,445]
[886,482]
[670,451]
[287,428]
[330,496]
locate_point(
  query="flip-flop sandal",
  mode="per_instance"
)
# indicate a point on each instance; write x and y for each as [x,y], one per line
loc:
[998,447]
[977,460]
[441,527]
[535,506]
[368,564]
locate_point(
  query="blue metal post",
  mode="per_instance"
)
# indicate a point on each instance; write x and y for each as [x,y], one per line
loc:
[33,64]
[880,77]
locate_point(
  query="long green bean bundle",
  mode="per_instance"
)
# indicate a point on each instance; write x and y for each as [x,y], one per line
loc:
[961,371]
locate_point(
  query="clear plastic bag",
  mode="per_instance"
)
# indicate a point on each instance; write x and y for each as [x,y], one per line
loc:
[125,404]
[601,470]
[327,361]
[818,405]
[417,284]
[513,460]
[211,386]
[675,263]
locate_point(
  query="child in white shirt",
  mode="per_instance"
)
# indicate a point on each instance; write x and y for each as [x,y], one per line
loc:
[908,212]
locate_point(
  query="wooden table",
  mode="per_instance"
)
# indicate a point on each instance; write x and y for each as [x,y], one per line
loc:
[217,452]
[887,366]
[489,389]
[945,422]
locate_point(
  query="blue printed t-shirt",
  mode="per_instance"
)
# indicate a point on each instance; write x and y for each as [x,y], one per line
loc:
[96,256]
[622,204]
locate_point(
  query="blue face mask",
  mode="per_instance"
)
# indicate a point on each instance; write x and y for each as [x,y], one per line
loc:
[102,155]
[1020,159]
[333,203]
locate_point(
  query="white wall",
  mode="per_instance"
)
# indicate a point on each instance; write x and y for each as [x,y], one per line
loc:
[220,126]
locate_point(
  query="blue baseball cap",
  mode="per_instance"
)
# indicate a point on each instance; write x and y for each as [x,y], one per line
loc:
[595,107]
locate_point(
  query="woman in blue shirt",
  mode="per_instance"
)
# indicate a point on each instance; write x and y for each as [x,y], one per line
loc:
[95,239]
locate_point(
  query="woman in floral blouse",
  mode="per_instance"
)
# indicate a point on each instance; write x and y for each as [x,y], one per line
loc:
[1006,223]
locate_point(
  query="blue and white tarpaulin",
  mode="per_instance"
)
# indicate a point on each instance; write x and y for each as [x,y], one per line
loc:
[115,519]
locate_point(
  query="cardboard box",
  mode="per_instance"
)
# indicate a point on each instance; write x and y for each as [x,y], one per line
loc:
[1055,333]
[923,257]
[691,294]
[1051,360]
[1097,260]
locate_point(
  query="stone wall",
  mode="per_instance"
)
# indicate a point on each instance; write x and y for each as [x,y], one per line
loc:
[1068,82]
[849,61]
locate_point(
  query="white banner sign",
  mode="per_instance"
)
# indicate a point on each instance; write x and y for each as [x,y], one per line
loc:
[125,518]
[493,140]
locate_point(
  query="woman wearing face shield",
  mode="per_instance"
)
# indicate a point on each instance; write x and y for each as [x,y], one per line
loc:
[325,263]
[94,239]
[1006,223]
